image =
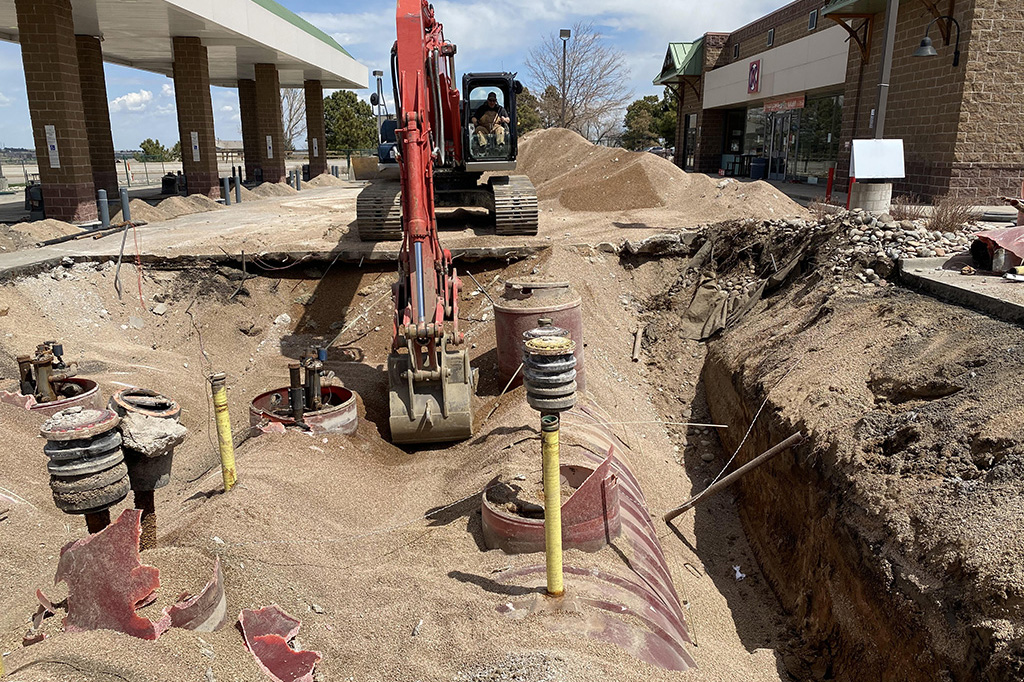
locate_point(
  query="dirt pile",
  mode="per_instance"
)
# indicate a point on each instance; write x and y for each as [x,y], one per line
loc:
[247,194]
[326,180]
[267,190]
[141,210]
[174,207]
[583,177]
[203,203]
[42,230]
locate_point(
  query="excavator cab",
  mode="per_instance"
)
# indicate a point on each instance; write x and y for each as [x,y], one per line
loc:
[491,144]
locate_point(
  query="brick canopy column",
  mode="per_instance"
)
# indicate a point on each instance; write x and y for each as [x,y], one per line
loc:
[315,128]
[271,123]
[195,116]
[97,114]
[250,127]
[46,30]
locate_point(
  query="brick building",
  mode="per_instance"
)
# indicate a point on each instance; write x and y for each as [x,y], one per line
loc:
[785,96]
[257,46]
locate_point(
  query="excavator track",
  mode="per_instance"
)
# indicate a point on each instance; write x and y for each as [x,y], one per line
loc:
[515,205]
[379,212]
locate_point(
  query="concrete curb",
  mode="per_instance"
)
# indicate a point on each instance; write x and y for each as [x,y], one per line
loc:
[929,281]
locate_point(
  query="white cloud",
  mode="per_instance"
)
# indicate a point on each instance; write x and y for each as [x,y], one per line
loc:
[227,108]
[167,90]
[4,100]
[136,102]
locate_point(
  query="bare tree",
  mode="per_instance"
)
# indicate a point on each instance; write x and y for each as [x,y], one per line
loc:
[293,109]
[596,82]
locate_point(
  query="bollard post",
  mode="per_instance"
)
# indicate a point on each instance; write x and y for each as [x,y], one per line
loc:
[126,210]
[298,179]
[104,209]
[218,386]
[238,186]
[226,190]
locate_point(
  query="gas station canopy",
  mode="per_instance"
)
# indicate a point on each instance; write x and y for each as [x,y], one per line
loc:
[238,34]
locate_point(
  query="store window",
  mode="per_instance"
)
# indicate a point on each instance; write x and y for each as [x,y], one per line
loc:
[818,140]
[754,140]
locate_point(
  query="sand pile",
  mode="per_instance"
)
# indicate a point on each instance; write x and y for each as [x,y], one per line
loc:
[247,194]
[42,230]
[586,177]
[140,211]
[326,180]
[203,203]
[174,207]
[273,189]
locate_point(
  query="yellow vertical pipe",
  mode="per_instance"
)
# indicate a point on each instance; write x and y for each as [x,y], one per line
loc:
[218,385]
[552,503]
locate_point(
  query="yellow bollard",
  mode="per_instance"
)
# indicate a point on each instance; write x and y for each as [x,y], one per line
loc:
[552,503]
[227,446]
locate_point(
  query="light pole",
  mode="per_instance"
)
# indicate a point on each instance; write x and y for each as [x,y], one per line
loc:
[564,34]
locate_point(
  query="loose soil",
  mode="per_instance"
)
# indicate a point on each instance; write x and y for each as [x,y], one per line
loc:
[894,535]
[273,189]
[572,174]
[42,230]
[326,180]
[338,522]
[141,210]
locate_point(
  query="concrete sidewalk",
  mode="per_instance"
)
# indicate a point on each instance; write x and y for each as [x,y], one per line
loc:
[987,293]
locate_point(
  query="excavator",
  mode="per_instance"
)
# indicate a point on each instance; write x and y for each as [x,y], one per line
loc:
[460,153]
[431,381]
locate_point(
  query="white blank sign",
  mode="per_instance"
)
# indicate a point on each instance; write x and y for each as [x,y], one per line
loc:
[877,160]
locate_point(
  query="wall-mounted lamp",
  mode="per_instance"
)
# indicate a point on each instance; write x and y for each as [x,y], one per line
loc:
[927,50]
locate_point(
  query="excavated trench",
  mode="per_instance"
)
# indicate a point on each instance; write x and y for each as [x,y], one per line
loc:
[888,536]
[892,535]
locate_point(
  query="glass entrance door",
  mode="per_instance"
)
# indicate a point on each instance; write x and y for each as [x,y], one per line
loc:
[778,151]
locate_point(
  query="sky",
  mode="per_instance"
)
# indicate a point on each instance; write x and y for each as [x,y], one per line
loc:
[495,35]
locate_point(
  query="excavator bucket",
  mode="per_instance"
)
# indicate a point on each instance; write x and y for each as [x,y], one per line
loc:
[431,411]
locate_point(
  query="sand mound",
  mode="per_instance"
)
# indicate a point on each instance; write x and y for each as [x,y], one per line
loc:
[326,180]
[203,203]
[585,177]
[42,230]
[248,194]
[174,207]
[140,211]
[273,189]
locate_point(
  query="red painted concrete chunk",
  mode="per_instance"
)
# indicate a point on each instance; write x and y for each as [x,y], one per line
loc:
[106,581]
[267,632]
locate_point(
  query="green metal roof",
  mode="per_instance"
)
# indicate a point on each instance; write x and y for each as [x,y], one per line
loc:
[855,7]
[294,19]
[682,59]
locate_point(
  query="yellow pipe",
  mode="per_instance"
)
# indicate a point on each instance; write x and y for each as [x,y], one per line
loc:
[552,503]
[227,446]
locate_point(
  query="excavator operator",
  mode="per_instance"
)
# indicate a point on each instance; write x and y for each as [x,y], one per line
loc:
[489,119]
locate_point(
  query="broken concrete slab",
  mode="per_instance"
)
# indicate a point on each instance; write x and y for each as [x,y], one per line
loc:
[151,436]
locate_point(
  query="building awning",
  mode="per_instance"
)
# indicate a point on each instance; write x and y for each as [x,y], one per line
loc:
[847,7]
[238,34]
[682,59]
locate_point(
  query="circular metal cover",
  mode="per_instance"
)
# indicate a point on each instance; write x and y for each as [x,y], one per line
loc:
[76,423]
[81,467]
[550,345]
[144,401]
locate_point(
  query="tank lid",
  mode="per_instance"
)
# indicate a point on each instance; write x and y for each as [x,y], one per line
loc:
[544,328]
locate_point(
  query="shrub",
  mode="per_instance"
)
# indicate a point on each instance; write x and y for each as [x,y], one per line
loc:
[907,207]
[951,213]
